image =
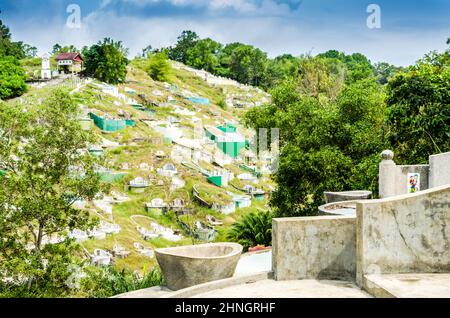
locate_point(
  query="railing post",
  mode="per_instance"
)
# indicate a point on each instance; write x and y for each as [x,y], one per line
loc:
[387,175]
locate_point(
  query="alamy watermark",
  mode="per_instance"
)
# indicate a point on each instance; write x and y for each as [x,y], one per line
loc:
[74,19]
[374,18]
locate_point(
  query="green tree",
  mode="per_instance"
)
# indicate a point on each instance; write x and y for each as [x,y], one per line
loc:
[224,69]
[186,40]
[30,51]
[204,55]
[418,109]
[248,65]
[359,66]
[57,48]
[321,77]
[7,46]
[252,229]
[106,61]
[147,51]
[12,78]
[326,144]
[159,67]
[46,174]
[280,69]
[385,71]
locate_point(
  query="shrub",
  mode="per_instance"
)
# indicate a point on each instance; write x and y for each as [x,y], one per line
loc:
[106,61]
[222,104]
[159,67]
[12,78]
[252,229]
[109,281]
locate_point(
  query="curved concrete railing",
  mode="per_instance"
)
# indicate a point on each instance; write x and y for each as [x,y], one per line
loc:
[404,234]
[187,266]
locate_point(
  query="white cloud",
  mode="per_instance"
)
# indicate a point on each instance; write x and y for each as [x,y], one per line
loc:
[105,3]
[241,6]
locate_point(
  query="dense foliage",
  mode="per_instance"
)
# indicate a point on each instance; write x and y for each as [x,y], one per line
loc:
[106,61]
[203,55]
[57,48]
[86,281]
[46,175]
[331,135]
[252,229]
[109,281]
[12,78]
[250,65]
[186,41]
[358,65]
[12,75]
[7,46]
[418,109]
[158,67]
[241,62]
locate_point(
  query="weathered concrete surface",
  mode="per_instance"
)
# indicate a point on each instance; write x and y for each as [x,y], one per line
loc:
[405,234]
[314,248]
[387,186]
[288,289]
[439,170]
[187,266]
[409,285]
[393,179]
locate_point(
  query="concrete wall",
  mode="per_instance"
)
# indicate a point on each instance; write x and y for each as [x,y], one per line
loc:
[393,179]
[405,234]
[314,247]
[439,170]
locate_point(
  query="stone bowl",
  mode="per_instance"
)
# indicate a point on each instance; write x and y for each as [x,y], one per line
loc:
[345,208]
[331,197]
[187,266]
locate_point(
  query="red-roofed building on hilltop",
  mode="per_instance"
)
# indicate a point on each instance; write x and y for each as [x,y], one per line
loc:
[70,62]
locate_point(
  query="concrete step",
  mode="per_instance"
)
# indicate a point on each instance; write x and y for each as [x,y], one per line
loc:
[408,285]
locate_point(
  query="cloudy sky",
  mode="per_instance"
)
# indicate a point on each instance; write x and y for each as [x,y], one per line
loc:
[409,28]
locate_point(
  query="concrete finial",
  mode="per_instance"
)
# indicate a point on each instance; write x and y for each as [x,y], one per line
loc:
[387,155]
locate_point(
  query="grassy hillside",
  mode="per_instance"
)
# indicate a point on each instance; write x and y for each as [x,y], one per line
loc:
[137,149]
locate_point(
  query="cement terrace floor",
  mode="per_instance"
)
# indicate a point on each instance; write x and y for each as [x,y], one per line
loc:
[261,286]
[411,285]
[288,289]
[253,280]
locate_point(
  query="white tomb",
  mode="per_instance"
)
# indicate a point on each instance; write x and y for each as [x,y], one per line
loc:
[46,72]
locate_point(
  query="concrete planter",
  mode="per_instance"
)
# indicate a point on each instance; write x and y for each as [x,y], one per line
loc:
[188,266]
[346,208]
[331,197]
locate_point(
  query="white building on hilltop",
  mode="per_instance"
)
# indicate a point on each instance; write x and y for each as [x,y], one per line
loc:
[46,72]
